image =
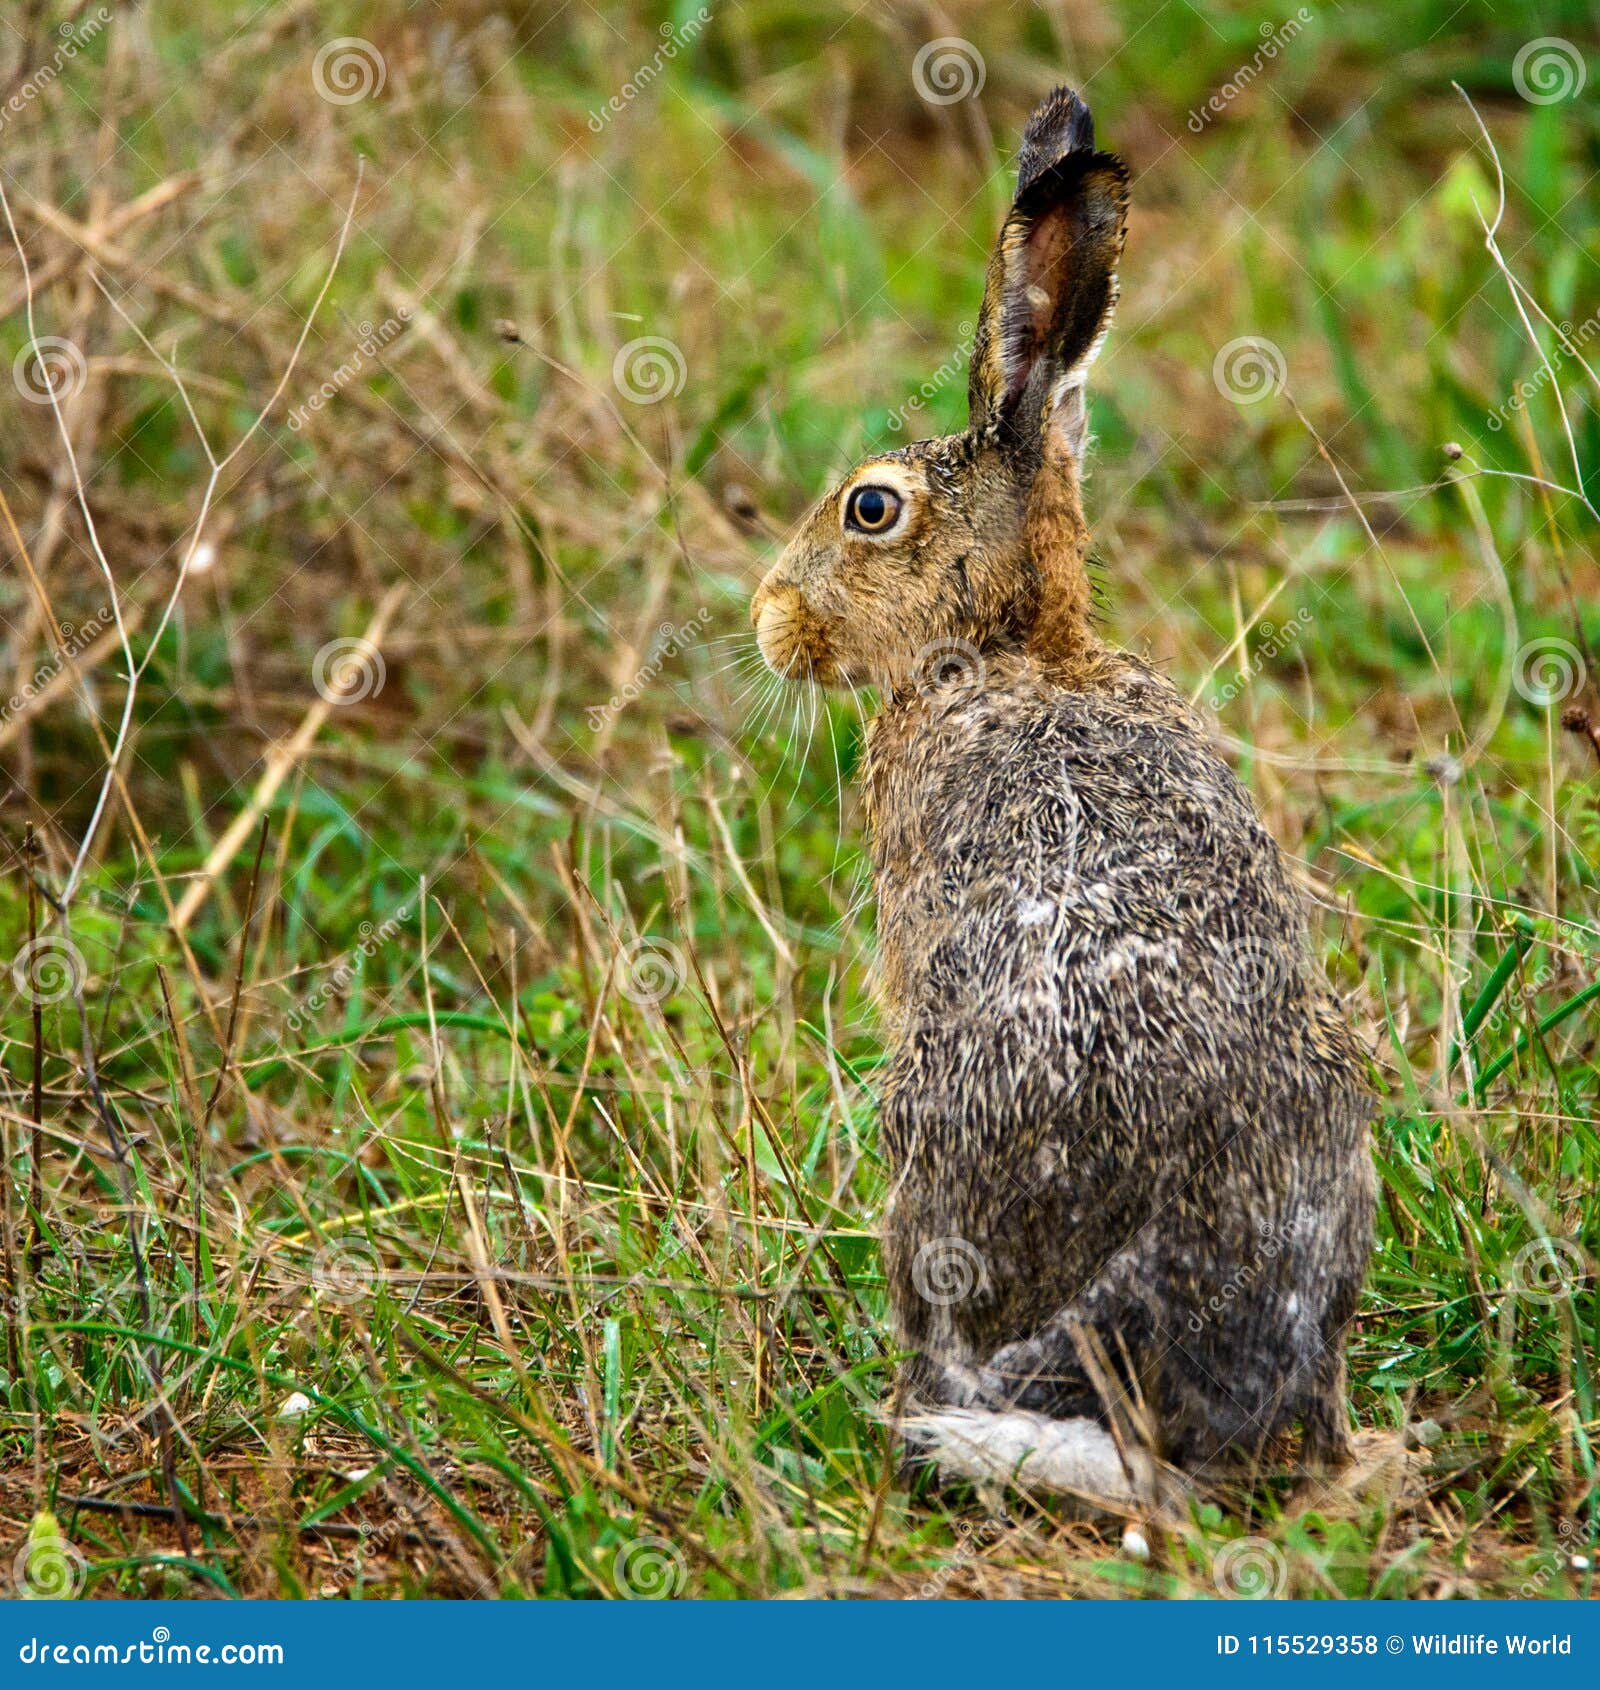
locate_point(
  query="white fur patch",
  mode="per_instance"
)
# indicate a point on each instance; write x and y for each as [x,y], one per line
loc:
[1078,1457]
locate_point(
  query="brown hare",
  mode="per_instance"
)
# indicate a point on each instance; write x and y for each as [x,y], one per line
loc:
[1125,1119]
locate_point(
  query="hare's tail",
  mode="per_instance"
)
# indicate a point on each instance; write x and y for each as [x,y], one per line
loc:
[1076,1457]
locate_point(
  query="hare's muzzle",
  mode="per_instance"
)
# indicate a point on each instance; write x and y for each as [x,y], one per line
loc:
[788,633]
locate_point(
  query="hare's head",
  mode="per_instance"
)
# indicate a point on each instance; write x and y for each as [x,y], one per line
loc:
[975,537]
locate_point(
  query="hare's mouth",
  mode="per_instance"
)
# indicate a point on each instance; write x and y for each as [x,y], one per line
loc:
[793,641]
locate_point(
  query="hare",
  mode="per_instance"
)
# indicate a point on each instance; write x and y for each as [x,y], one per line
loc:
[1125,1119]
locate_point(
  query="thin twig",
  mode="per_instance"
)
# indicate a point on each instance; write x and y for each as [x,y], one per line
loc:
[279,760]
[217,465]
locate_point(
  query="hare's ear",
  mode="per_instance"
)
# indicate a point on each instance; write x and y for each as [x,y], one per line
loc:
[1052,283]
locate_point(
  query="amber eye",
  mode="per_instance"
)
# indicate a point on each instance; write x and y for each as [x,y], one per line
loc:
[872,510]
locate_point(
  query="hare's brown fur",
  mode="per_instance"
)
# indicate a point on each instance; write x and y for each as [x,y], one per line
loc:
[1123,1107]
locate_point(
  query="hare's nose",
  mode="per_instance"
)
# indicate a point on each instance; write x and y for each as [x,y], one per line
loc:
[762,598]
[768,618]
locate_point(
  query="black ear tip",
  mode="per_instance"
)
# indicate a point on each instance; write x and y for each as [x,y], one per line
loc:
[1060,125]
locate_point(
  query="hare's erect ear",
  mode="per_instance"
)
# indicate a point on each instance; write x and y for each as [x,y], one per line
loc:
[1052,283]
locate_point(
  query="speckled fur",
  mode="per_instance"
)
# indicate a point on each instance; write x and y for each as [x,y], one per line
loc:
[1078,909]
[1118,1077]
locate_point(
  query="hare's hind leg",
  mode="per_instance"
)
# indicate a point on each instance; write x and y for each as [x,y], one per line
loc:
[952,1421]
[1028,1418]
[1077,1457]
[1043,1374]
[1326,1445]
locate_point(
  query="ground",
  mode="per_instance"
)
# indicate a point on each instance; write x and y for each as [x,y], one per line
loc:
[439,1137]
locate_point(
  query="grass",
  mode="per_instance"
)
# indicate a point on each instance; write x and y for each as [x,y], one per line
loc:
[473,1191]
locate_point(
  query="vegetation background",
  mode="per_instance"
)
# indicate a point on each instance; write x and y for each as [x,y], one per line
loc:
[438,1129]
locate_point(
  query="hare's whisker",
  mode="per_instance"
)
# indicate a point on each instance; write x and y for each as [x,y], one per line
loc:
[769,701]
[805,755]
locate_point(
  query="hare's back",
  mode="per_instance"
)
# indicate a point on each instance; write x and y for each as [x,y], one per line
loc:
[1101,997]
[1046,853]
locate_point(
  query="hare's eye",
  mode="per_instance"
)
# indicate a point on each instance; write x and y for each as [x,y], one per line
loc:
[872,510]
